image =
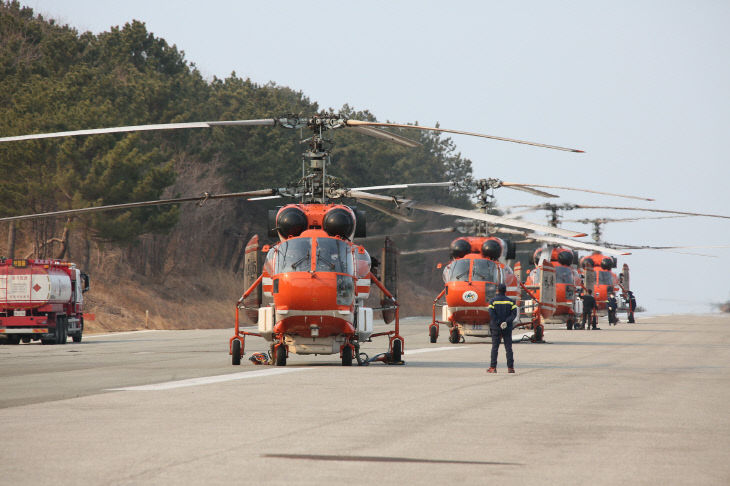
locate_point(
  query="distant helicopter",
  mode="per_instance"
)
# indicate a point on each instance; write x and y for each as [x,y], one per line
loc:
[481,262]
[596,271]
[315,275]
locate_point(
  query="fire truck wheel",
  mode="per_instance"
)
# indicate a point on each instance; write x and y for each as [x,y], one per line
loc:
[396,354]
[236,352]
[347,356]
[61,330]
[80,333]
[433,334]
[454,335]
[13,339]
[280,355]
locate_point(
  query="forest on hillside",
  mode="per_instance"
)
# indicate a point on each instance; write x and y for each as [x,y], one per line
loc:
[54,78]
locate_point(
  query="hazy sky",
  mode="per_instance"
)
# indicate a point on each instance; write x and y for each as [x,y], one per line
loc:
[642,86]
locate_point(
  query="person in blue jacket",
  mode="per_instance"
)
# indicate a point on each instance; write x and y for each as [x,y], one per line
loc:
[502,311]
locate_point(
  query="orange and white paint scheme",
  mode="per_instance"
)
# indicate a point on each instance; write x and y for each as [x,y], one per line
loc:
[318,280]
[567,284]
[471,278]
[605,281]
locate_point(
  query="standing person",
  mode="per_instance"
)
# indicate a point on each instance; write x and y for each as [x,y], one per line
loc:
[612,306]
[589,303]
[502,311]
[632,307]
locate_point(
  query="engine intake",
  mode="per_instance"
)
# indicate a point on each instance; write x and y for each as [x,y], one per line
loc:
[291,221]
[492,249]
[459,248]
[339,222]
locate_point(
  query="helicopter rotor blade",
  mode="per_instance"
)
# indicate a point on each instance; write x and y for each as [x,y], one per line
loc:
[141,128]
[375,132]
[648,247]
[687,213]
[465,213]
[578,244]
[200,199]
[514,185]
[424,250]
[358,123]
[568,207]
[619,220]
[403,186]
[536,192]
[389,212]
[449,229]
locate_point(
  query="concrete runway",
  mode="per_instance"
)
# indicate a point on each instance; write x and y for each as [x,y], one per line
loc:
[641,404]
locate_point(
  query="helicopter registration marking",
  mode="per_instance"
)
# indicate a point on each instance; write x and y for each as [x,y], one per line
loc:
[470,296]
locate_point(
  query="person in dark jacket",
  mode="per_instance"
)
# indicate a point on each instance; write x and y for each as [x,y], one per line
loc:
[589,303]
[502,312]
[612,306]
[632,307]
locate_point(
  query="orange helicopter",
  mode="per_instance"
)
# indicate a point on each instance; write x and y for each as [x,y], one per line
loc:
[316,276]
[469,289]
[595,271]
[477,267]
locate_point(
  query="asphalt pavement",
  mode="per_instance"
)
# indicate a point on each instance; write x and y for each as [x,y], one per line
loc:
[641,403]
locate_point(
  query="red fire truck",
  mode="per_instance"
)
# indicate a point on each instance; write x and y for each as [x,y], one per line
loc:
[41,300]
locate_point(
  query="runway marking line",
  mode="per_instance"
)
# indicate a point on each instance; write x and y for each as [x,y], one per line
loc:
[206,380]
[429,350]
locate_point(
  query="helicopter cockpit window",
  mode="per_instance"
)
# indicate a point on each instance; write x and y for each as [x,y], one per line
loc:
[485,271]
[334,256]
[362,263]
[563,275]
[269,261]
[458,270]
[294,255]
[605,278]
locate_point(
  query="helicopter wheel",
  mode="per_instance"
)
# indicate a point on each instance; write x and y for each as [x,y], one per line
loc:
[236,352]
[347,355]
[396,354]
[454,335]
[280,355]
[569,324]
[433,333]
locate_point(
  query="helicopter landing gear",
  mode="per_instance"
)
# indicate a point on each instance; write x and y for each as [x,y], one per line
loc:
[396,351]
[570,324]
[537,336]
[347,353]
[278,352]
[433,332]
[236,352]
[454,336]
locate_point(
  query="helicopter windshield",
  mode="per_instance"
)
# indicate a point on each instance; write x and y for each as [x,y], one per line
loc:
[294,255]
[458,270]
[564,275]
[334,256]
[605,278]
[485,271]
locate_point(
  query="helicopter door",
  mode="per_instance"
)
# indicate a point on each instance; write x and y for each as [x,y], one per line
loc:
[625,278]
[250,274]
[590,279]
[547,289]
[390,277]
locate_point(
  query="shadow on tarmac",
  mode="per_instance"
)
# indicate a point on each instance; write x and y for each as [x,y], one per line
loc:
[326,457]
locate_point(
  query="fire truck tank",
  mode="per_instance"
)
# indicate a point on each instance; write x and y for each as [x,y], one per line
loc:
[33,286]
